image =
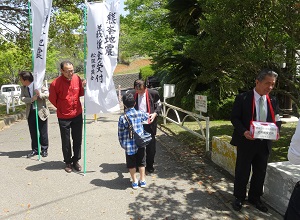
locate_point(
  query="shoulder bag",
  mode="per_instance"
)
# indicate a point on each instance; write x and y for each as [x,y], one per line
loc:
[140,140]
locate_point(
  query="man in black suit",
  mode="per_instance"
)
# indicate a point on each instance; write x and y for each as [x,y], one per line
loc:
[254,105]
[148,100]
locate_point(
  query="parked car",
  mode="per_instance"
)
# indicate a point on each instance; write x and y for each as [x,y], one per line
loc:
[7,90]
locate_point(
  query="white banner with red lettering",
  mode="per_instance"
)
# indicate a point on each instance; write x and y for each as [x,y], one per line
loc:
[41,10]
[103,25]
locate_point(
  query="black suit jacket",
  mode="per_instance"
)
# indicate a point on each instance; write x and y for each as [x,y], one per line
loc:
[241,117]
[155,106]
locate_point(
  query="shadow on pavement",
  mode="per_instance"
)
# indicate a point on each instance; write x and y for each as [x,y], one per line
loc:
[51,165]
[15,154]
[154,198]
[120,182]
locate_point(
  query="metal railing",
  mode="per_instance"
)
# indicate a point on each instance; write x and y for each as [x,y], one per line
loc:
[11,101]
[198,118]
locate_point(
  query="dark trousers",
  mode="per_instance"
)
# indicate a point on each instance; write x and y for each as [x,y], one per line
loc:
[293,209]
[71,126]
[150,149]
[136,160]
[255,155]
[43,130]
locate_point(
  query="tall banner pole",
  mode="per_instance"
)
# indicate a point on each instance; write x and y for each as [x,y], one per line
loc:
[32,63]
[84,112]
[40,12]
[31,41]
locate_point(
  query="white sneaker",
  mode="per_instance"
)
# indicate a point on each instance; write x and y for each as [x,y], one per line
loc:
[142,184]
[134,185]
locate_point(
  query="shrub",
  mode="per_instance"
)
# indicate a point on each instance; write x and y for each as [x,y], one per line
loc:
[146,72]
[220,109]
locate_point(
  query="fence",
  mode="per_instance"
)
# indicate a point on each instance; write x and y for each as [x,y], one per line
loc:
[167,107]
[198,118]
[11,101]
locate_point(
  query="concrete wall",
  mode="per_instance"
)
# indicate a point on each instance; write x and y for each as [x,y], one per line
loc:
[279,183]
[125,80]
[280,179]
[223,153]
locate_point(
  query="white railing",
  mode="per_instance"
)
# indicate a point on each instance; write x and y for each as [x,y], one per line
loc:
[11,101]
[198,118]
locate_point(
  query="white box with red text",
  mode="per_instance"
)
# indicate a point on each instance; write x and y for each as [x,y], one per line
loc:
[264,130]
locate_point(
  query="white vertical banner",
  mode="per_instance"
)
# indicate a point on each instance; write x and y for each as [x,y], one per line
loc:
[103,27]
[41,10]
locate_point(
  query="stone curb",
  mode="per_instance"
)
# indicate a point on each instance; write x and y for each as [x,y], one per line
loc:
[11,119]
[8,120]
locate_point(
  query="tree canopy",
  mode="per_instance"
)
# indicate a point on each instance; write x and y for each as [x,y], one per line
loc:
[217,47]
[210,47]
[65,33]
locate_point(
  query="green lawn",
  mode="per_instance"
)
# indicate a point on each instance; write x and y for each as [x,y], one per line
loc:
[280,147]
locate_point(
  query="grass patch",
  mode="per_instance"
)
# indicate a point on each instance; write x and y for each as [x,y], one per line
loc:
[18,109]
[133,70]
[133,67]
[216,128]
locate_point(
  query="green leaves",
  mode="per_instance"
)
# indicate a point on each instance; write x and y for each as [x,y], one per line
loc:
[144,31]
[12,60]
[215,46]
[65,33]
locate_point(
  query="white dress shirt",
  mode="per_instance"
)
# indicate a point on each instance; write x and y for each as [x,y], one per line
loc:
[256,98]
[142,103]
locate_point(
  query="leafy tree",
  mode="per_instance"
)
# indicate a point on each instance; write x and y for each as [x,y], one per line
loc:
[52,65]
[65,33]
[14,13]
[233,41]
[251,35]
[66,36]
[144,31]
[12,60]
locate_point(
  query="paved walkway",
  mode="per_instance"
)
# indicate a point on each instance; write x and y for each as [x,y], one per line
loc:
[32,189]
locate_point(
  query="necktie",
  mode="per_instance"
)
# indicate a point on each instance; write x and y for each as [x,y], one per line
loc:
[28,91]
[31,105]
[262,110]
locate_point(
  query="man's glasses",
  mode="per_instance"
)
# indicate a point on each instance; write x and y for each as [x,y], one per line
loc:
[68,71]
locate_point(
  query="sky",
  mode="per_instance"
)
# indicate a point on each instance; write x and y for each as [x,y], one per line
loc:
[122,8]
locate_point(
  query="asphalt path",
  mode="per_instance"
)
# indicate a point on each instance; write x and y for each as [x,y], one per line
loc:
[41,189]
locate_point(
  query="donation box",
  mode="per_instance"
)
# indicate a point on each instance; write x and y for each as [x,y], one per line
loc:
[264,130]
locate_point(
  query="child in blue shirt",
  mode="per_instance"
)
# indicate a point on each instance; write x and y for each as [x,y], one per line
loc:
[135,156]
